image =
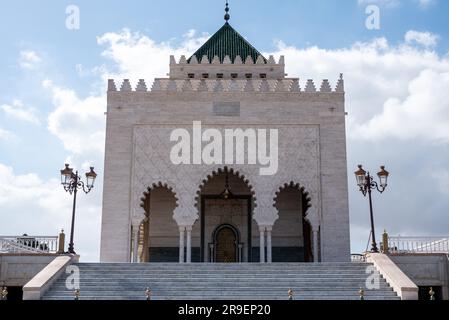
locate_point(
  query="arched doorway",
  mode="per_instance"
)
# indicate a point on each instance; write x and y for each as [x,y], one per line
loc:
[226,202]
[226,244]
[292,232]
[158,236]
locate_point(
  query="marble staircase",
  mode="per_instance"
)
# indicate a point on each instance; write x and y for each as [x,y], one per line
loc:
[322,281]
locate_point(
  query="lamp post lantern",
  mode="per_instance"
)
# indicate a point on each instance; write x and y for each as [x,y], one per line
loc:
[71,183]
[366,184]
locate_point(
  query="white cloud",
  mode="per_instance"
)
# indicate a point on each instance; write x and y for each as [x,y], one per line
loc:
[441,176]
[380,79]
[78,123]
[398,116]
[424,113]
[12,188]
[35,206]
[32,205]
[409,78]
[6,135]
[29,59]
[426,39]
[136,56]
[377,73]
[47,83]
[426,3]
[18,111]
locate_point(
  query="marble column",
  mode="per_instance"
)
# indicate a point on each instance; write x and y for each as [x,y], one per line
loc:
[269,249]
[240,253]
[135,235]
[262,244]
[315,246]
[189,244]
[211,253]
[181,244]
[146,241]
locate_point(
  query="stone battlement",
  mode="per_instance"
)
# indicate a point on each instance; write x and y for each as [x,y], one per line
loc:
[291,85]
[227,60]
[240,68]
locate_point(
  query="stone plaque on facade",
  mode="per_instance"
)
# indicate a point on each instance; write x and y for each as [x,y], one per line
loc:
[226,109]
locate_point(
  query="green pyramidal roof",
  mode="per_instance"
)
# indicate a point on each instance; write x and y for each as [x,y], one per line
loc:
[227,42]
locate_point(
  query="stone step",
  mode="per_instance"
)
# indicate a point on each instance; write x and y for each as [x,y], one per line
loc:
[227,265]
[238,265]
[255,283]
[88,275]
[192,269]
[225,296]
[199,267]
[280,275]
[254,293]
[141,293]
[284,271]
[208,268]
[340,281]
[225,285]
[184,281]
[224,280]
[204,284]
[242,298]
[236,272]
[230,297]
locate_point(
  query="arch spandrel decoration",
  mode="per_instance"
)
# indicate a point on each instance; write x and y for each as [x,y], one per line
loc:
[209,175]
[298,161]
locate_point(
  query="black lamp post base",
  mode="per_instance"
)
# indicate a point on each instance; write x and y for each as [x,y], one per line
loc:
[71,249]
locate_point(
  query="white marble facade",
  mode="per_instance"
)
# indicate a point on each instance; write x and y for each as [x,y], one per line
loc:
[312,154]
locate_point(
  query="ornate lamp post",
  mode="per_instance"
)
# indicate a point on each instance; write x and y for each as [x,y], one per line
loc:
[366,183]
[71,183]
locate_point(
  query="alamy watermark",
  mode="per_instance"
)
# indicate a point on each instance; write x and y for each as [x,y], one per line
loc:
[372,22]
[72,21]
[228,146]
[373,280]
[73,280]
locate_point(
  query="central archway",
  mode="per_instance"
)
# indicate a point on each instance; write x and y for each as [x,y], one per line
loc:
[225,201]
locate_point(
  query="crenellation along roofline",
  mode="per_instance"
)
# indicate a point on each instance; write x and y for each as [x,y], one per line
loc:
[238,60]
[285,85]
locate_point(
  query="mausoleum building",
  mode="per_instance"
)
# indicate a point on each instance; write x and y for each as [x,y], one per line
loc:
[263,178]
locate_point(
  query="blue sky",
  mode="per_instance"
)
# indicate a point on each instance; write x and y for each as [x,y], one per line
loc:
[48,72]
[40,26]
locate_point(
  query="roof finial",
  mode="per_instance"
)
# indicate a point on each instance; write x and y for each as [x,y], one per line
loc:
[227,15]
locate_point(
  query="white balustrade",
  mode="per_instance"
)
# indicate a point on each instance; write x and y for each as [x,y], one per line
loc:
[28,244]
[418,244]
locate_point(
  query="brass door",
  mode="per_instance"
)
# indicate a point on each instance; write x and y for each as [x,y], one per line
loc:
[226,246]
